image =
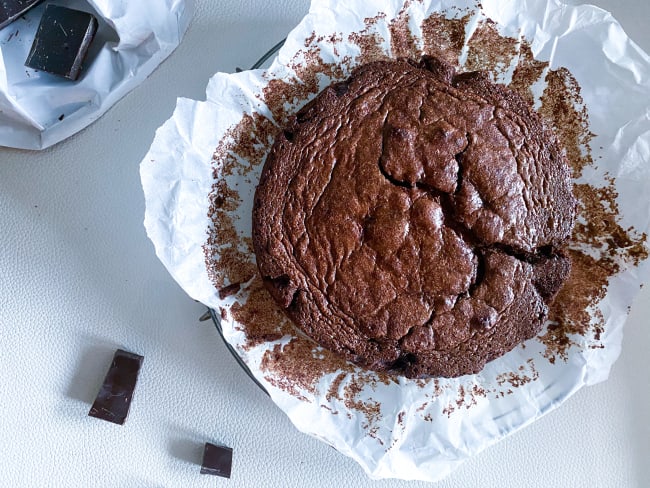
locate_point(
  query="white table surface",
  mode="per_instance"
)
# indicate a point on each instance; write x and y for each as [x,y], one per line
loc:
[79,278]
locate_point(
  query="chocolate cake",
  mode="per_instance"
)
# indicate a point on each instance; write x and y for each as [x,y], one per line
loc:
[412,219]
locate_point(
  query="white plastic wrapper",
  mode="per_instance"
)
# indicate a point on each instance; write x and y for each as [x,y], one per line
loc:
[396,427]
[38,109]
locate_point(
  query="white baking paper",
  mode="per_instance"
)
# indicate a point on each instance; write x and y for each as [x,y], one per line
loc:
[419,429]
[38,109]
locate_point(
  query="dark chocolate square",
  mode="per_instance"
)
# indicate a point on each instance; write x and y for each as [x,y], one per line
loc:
[62,41]
[114,398]
[217,460]
[10,10]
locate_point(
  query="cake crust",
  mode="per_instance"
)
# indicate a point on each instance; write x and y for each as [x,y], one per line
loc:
[412,219]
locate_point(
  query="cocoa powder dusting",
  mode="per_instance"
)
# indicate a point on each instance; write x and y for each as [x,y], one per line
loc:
[291,367]
[243,146]
[490,51]
[259,316]
[308,72]
[444,38]
[467,397]
[279,92]
[298,366]
[610,248]
[519,378]
[527,72]
[370,408]
[403,43]
[600,247]
[248,243]
[370,41]
[285,96]
[225,201]
[563,105]
[231,265]
[335,386]
[227,253]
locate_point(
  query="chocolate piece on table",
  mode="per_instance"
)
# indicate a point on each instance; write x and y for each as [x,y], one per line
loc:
[217,460]
[10,10]
[62,41]
[114,397]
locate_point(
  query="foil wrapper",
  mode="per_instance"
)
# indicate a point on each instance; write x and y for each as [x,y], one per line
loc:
[38,109]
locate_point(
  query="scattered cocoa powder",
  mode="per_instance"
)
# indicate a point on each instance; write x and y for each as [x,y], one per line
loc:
[259,316]
[227,253]
[284,96]
[527,72]
[370,41]
[243,146]
[490,51]
[597,230]
[444,38]
[291,367]
[370,408]
[563,105]
[335,386]
[403,44]
[519,378]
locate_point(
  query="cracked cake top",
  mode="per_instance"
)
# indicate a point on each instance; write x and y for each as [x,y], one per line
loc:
[412,219]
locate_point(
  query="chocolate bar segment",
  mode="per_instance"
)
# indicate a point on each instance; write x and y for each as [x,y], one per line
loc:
[217,460]
[114,398]
[10,10]
[62,41]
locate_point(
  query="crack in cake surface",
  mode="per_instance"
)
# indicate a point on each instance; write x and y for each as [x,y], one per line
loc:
[410,210]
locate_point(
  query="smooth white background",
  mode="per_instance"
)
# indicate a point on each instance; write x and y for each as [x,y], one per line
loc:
[78,278]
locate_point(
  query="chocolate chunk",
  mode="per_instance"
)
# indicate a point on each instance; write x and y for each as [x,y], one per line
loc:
[217,460]
[62,41]
[11,10]
[114,397]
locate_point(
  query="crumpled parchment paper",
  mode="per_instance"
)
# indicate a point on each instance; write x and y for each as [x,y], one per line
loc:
[396,427]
